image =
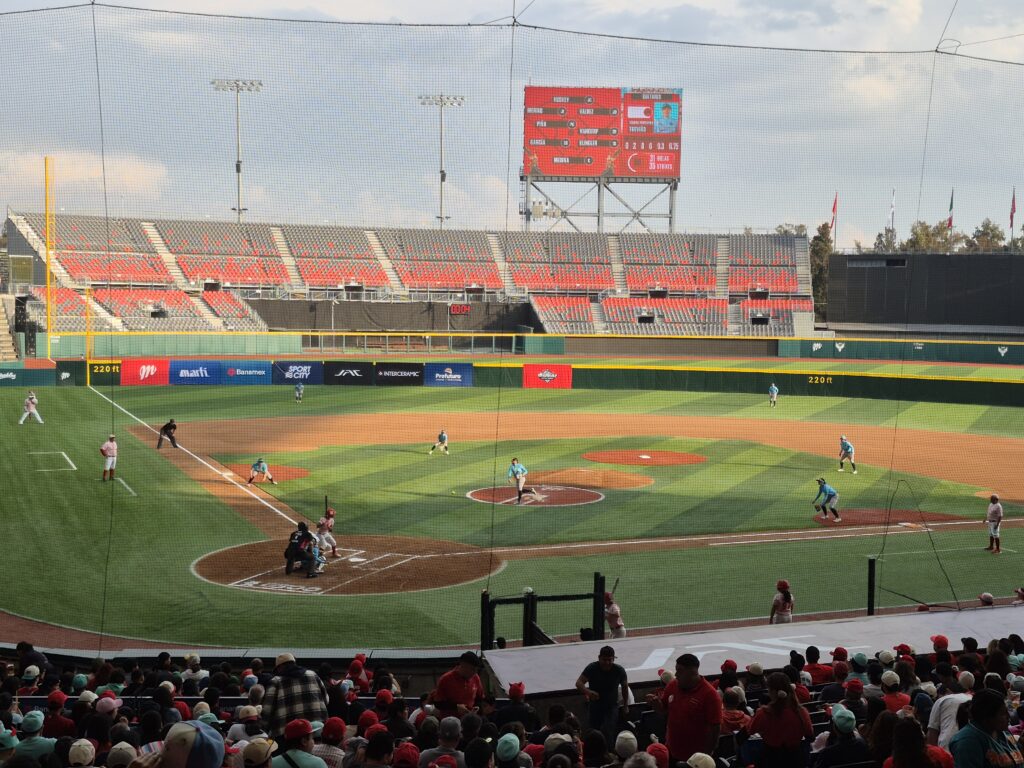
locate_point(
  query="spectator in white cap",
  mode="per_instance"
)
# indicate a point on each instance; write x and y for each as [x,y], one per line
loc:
[195,669]
[701,760]
[294,693]
[82,753]
[121,755]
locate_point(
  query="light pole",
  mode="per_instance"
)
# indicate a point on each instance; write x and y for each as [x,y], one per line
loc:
[238,86]
[441,101]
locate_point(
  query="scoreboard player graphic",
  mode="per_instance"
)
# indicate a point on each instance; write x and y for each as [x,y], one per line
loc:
[592,132]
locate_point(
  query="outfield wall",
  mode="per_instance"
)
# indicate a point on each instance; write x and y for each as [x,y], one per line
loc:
[162,371]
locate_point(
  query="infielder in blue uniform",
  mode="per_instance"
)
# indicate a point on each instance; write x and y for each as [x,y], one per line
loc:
[846,452]
[517,474]
[773,395]
[260,468]
[442,443]
[830,500]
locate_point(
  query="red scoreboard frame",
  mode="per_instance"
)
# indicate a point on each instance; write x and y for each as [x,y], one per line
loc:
[588,133]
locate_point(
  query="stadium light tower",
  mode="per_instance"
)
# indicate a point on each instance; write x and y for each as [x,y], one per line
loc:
[441,101]
[238,86]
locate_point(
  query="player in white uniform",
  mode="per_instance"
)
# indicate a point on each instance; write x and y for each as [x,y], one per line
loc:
[325,533]
[30,408]
[994,517]
[109,452]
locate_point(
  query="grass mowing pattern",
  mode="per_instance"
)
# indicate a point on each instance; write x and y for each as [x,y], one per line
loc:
[64,517]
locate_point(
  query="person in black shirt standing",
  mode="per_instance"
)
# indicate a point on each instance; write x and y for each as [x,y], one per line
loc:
[167,431]
[601,684]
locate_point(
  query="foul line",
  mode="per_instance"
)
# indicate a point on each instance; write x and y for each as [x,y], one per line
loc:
[372,572]
[200,459]
[126,486]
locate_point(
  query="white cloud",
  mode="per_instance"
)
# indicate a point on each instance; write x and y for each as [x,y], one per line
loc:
[78,177]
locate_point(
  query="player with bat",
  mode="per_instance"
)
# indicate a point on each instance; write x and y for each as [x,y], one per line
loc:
[613,614]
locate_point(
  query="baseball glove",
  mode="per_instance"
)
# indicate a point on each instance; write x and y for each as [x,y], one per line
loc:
[817,507]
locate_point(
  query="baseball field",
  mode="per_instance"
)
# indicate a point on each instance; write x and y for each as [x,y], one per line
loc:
[675,494]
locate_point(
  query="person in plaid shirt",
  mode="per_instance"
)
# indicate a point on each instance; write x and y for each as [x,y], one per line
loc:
[294,693]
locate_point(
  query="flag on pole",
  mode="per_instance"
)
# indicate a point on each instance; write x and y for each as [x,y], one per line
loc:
[835,208]
[1013,210]
[892,210]
[949,221]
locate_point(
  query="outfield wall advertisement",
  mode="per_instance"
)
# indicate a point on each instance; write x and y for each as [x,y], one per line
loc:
[241,372]
[145,373]
[195,372]
[348,374]
[448,375]
[298,372]
[399,374]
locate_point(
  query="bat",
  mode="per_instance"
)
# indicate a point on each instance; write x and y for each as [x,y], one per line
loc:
[615,586]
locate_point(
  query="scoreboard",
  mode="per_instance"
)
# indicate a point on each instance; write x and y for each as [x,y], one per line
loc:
[625,133]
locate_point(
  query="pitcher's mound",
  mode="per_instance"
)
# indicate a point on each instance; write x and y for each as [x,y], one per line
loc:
[277,471]
[585,477]
[641,457]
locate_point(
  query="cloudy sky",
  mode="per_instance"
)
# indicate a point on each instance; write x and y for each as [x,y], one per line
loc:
[337,134]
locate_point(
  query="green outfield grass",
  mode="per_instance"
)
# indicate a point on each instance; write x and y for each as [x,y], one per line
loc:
[89,555]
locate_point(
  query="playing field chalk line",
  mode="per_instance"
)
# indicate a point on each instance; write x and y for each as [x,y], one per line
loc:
[200,459]
[126,486]
[71,468]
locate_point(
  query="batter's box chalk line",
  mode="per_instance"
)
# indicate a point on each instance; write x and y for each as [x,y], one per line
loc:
[71,465]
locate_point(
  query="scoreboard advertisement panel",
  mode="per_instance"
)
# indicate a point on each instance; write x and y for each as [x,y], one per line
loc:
[626,133]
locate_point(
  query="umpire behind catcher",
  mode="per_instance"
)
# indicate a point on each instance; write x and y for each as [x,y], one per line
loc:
[167,431]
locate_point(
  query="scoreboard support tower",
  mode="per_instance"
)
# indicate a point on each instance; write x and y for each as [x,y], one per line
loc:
[545,206]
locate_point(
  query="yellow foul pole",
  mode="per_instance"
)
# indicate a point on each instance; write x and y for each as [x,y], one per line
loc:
[48,194]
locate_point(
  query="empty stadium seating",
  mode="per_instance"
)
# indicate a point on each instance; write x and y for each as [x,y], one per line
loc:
[233,270]
[306,241]
[92,233]
[671,316]
[435,245]
[217,238]
[641,277]
[556,247]
[564,314]
[134,306]
[133,268]
[235,312]
[650,248]
[330,273]
[775,279]
[69,311]
[562,277]
[764,250]
[442,275]
[779,313]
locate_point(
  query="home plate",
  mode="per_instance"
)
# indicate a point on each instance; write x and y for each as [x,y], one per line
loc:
[357,559]
[644,456]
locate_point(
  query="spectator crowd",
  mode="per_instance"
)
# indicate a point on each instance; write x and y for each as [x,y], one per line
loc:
[897,708]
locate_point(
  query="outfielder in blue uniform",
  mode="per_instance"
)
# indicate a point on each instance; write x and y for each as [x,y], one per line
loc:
[517,474]
[773,395]
[299,387]
[846,452]
[442,443]
[829,500]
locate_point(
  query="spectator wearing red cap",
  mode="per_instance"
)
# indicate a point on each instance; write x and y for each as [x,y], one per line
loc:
[459,690]
[853,698]
[297,747]
[839,654]
[517,710]
[613,615]
[836,690]
[407,755]
[660,754]
[782,604]
[820,673]
[381,701]
[783,726]
[331,738]
[366,719]
[694,711]
[55,725]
